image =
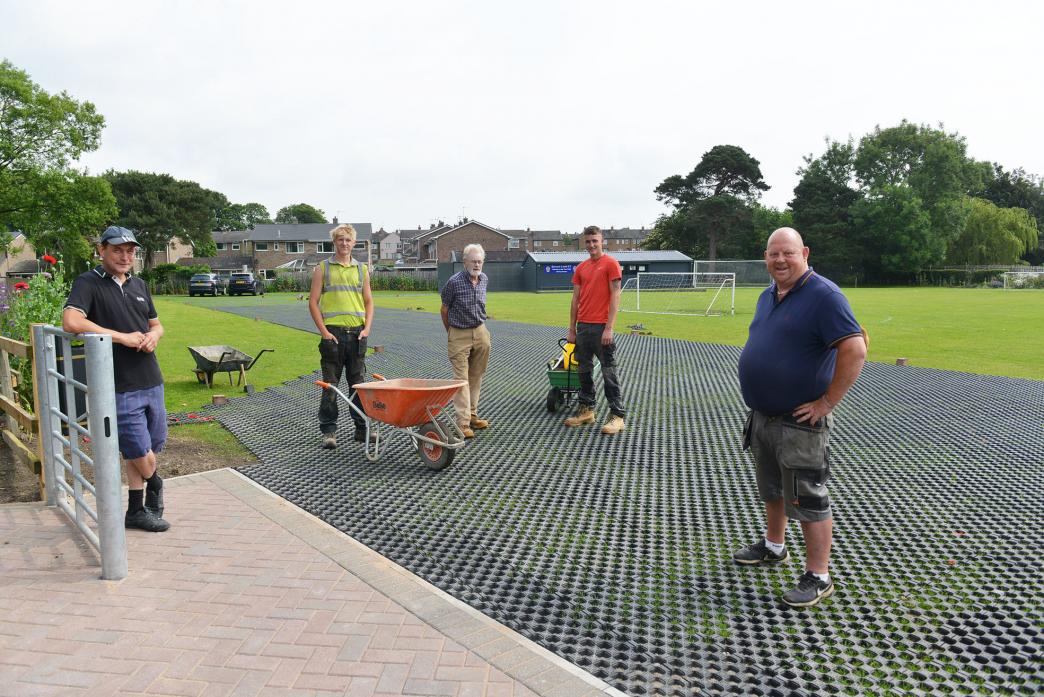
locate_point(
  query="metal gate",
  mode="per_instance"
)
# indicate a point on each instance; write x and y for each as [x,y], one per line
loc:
[63,434]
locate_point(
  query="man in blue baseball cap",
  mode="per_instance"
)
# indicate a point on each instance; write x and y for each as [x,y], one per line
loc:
[109,300]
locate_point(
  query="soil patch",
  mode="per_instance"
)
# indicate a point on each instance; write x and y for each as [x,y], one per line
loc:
[183,455]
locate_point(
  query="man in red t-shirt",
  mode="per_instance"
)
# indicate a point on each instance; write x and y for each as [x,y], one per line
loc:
[592,314]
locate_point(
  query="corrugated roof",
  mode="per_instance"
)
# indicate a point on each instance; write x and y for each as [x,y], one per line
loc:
[622,257]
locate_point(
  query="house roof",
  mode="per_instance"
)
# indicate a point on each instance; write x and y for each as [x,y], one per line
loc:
[622,257]
[470,222]
[25,267]
[535,234]
[304,232]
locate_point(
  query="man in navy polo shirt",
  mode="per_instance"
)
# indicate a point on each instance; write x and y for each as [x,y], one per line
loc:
[109,300]
[804,352]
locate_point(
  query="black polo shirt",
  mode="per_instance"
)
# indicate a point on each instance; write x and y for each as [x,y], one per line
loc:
[127,308]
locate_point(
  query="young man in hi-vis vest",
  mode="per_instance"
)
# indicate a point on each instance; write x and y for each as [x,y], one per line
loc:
[342,308]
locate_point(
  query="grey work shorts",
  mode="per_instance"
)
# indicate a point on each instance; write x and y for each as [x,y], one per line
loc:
[792,461]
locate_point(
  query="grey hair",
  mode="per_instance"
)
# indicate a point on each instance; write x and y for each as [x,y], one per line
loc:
[474,248]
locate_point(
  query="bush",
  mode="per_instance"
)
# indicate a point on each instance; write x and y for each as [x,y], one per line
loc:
[170,279]
[38,301]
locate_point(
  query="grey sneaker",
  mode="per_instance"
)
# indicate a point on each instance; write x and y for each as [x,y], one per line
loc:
[809,591]
[329,442]
[143,520]
[758,553]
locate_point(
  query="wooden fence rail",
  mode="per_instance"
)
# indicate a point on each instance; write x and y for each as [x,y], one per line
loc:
[20,426]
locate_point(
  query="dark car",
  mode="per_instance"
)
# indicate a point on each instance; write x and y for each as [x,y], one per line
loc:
[240,283]
[206,284]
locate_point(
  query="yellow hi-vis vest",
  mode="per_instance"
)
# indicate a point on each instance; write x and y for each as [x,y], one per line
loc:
[342,300]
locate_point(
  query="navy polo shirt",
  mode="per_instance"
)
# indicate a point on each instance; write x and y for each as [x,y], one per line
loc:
[789,357]
[126,308]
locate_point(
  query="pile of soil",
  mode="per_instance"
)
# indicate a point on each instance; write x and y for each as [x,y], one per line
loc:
[182,455]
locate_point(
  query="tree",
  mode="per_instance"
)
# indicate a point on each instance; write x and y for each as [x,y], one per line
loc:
[765,221]
[41,193]
[1017,189]
[242,216]
[932,163]
[822,205]
[715,196]
[993,235]
[300,213]
[895,234]
[159,208]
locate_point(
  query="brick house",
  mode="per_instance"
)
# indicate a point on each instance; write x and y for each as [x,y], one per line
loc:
[414,241]
[624,239]
[439,245]
[299,246]
[537,240]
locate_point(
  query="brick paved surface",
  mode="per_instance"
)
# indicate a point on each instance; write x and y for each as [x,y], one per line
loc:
[245,595]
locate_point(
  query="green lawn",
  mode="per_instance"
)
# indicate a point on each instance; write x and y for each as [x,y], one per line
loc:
[994,332]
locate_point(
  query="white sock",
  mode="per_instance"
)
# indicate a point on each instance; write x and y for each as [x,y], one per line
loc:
[825,578]
[774,547]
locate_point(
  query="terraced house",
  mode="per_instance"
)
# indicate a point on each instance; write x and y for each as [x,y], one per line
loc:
[296,247]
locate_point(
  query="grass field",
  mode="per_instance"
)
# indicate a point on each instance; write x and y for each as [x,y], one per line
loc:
[994,332]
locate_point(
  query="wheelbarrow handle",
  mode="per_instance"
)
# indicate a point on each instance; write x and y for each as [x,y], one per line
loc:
[258,356]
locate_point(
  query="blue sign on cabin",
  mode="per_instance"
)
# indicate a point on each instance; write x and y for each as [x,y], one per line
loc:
[558,268]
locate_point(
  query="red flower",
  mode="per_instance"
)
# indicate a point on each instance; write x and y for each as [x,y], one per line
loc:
[49,259]
[21,285]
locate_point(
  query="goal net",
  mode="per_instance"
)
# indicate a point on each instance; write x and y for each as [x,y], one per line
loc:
[1023,279]
[749,272]
[680,294]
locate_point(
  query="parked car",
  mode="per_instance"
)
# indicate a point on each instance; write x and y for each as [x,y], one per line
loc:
[240,283]
[206,284]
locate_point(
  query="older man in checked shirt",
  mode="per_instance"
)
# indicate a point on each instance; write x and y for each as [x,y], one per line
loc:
[464,316]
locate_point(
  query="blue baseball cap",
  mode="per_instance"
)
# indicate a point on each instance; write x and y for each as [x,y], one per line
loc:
[118,235]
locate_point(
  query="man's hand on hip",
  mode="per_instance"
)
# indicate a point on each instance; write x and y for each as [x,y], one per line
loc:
[812,412]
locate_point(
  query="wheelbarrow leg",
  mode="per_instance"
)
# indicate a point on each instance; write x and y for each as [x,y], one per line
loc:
[242,377]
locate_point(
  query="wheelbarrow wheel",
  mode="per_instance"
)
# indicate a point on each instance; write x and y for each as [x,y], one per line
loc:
[434,457]
[554,399]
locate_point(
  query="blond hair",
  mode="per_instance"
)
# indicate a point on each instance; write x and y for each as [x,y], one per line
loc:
[343,229]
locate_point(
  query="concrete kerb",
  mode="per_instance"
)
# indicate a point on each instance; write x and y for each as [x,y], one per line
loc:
[539,669]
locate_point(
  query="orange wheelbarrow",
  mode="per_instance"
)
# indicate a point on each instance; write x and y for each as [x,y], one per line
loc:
[412,406]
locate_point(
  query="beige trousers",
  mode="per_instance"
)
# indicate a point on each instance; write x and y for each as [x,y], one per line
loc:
[469,355]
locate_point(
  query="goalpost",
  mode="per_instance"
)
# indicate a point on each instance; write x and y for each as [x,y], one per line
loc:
[1023,279]
[701,294]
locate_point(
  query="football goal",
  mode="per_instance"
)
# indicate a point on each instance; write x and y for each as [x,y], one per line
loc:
[749,272]
[680,294]
[1023,279]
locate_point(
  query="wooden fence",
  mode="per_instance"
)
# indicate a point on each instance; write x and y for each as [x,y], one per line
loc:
[20,427]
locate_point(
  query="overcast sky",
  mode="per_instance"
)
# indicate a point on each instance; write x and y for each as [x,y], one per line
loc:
[549,115]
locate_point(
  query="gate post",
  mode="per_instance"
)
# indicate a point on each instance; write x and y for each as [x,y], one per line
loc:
[43,357]
[101,418]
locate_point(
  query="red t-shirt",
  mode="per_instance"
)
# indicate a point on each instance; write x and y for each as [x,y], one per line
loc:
[593,277]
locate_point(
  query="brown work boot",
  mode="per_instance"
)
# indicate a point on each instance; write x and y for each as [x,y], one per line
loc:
[479,424]
[614,425]
[329,442]
[466,430]
[583,415]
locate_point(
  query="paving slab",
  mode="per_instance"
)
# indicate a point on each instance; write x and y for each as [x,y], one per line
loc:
[231,601]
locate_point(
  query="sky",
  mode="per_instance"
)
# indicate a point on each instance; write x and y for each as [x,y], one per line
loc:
[537,114]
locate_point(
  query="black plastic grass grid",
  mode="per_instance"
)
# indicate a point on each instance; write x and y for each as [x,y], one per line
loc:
[615,552]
